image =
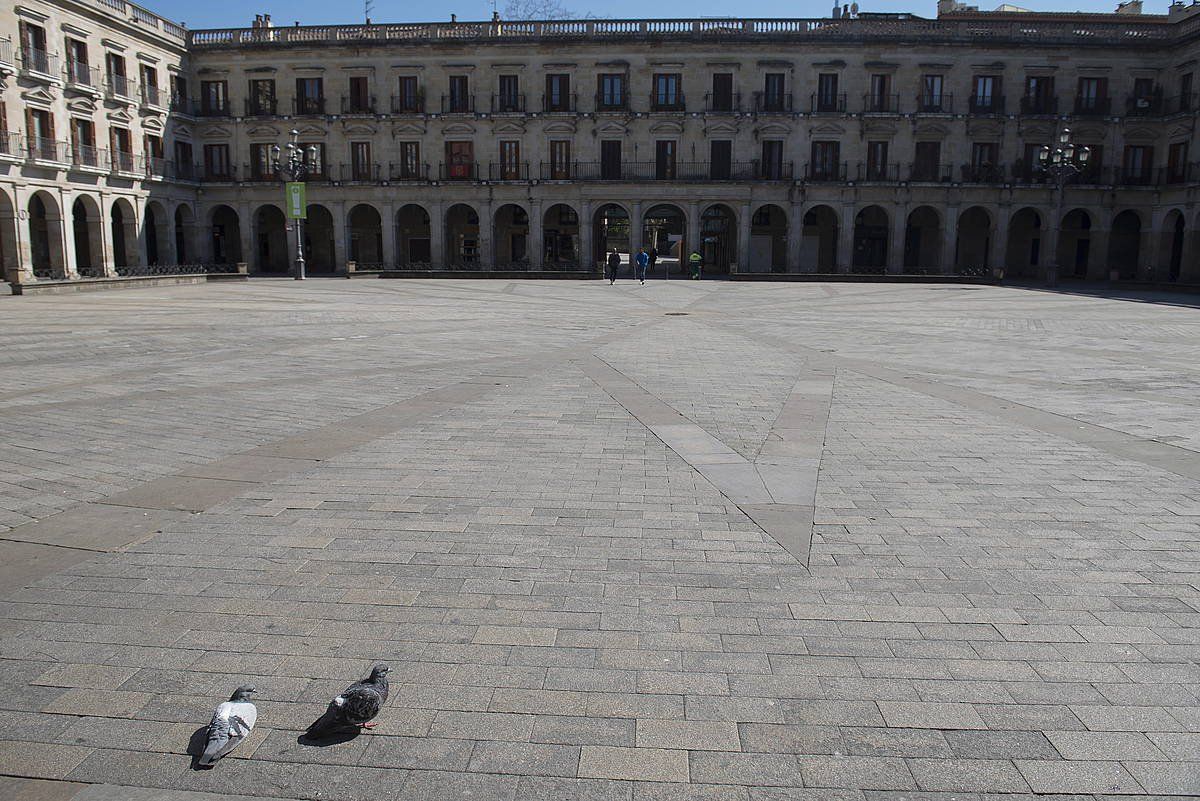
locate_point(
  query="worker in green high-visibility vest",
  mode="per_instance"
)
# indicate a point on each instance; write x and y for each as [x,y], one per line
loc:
[695,261]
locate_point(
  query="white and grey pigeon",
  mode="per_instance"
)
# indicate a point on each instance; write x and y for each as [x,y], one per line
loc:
[356,706]
[231,724]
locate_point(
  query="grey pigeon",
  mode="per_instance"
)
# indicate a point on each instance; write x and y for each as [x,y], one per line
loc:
[356,706]
[231,723]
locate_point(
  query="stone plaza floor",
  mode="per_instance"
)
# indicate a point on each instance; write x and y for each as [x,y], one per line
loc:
[674,542]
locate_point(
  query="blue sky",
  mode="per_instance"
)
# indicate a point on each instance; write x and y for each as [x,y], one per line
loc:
[238,13]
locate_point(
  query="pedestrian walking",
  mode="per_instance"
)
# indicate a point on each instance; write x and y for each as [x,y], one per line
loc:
[695,261]
[653,254]
[640,262]
[614,264]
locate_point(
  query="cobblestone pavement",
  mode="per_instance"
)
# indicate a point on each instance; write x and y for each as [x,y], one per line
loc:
[552,508]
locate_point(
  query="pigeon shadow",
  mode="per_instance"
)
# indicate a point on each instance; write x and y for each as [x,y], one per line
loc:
[326,738]
[195,749]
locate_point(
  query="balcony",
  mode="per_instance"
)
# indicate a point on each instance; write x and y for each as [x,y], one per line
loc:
[158,168]
[825,173]
[672,172]
[1179,104]
[38,63]
[261,106]
[408,173]
[772,171]
[6,51]
[878,173]
[562,104]
[123,162]
[881,104]
[119,88]
[213,108]
[508,172]
[1088,106]
[982,174]
[152,96]
[1039,105]
[219,173]
[89,157]
[827,103]
[612,102]
[408,104]
[467,171]
[985,105]
[508,104]
[667,101]
[360,173]
[722,102]
[183,171]
[1144,105]
[919,172]
[182,105]
[1179,174]
[458,104]
[11,144]
[41,148]
[259,174]
[82,77]
[308,106]
[358,105]
[772,103]
[1028,174]
[1134,176]
[935,104]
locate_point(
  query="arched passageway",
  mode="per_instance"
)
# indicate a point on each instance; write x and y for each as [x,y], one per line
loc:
[718,238]
[9,261]
[1023,253]
[462,237]
[123,230]
[413,236]
[1074,244]
[611,232]
[1174,233]
[154,228]
[923,242]
[1125,244]
[974,242]
[560,235]
[88,231]
[870,240]
[768,240]
[664,228]
[226,236]
[366,236]
[45,236]
[183,237]
[510,234]
[271,247]
[818,245]
[319,255]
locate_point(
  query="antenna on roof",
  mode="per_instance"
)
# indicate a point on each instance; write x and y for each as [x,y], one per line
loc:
[368,7]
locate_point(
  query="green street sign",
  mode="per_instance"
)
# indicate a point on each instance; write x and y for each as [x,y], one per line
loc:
[297,206]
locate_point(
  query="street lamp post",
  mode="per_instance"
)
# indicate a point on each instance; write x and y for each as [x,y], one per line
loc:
[295,168]
[1062,161]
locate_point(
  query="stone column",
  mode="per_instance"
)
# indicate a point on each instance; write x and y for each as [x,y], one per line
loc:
[1098,254]
[998,247]
[743,239]
[535,247]
[795,238]
[437,235]
[1048,248]
[70,265]
[844,258]
[895,257]
[635,228]
[587,259]
[246,233]
[950,241]
[487,236]
[139,229]
[1150,248]
[693,234]
[166,239]
[18,265]
[341,237]
[389,256]
[107,266]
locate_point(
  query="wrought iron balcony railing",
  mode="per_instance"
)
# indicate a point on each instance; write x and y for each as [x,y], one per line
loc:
[920,172]
[352,104]
[1039,105]
[878,173]
[81,74]
[458,104]
[468,171]
[983,105]
[820,103]
[404,172]
[502,171]
[561,104]
[508,103]
[408,104]
[722,102]
[667,101]
[38,62]
[881,103]
[1089,106]
[612,101]
[261,106]
[773,102]
[935,103]
[360,173]
[823,172]
[308,106]
[982,174]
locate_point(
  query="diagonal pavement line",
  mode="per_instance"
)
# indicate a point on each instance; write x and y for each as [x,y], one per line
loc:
[741,481]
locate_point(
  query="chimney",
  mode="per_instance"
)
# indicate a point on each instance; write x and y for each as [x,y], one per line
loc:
[266,20]
[1130,7]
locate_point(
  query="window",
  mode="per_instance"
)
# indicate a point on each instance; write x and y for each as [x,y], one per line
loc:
[410,162]
[667,93]
[122,149]
[310,96]
[558,93]
[1185,91]
[149,78]
[118,84]
[1039,95]
[261,100]
[360,96]
[408,97]
[83,143]
[771,167]
[932,99]
[460,160]
[510,99]
[78,70]
[179,93]
[720,157]
[985,91]
[827,98]
[216,161]
[877,161]
[773,92]
[1145,96]
[665,151]
[880,98]
[722,92]
[262,160]
[610,159]
[1177,162]
[184,163]
[314,159]
[611,94]
[927,163]
[40,128]
[985,157]
[214,98]
[33,47]
[361,168]
[560,159]
[1091,96]
[826,161]
[510,160]
[154,154]
[460,98]
[1138,162]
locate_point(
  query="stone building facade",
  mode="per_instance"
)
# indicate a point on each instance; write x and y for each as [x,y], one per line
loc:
[861,143]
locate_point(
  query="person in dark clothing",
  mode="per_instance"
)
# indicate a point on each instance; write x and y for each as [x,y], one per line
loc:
[614,264]
[653,254]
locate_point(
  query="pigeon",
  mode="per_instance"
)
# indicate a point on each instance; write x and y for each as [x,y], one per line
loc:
[231,723]
[356,706]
